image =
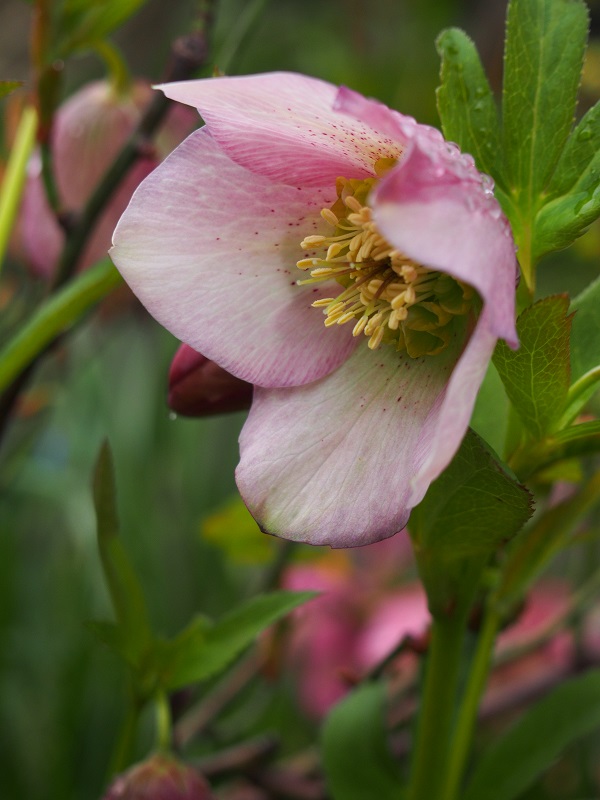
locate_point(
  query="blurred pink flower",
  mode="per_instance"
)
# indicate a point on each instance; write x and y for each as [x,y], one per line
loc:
[356,622]
[341,441]
[160,777]
[199,387]
[89,131]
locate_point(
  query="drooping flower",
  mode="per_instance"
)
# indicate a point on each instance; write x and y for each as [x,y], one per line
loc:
[298,194]
[89,130]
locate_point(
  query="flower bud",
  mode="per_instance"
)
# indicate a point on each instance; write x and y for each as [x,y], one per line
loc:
[199,388]
[88,132]
[161,777]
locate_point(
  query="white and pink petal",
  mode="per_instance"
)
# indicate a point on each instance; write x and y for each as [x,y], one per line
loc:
[210,249]
[284,126]
[335,462]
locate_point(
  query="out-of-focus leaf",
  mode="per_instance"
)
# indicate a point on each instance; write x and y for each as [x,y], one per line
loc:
[201,650]
[356,757]
[469,511]
[6,87]
[548,534]
[125,590]
[78,25]
[537,375]
[466,105]
[522,754]
[233,529]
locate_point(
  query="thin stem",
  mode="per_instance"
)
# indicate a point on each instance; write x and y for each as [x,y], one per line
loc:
[123,752]
[436,716]
[578,395]
[49,180]
[119,74]
[54,317]
[14,178]
[164,728]
[469,707]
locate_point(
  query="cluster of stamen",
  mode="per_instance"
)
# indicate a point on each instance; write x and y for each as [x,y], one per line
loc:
[389,297]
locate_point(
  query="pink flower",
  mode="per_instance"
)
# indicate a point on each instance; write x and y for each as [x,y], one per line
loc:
[346,432]
[89,131]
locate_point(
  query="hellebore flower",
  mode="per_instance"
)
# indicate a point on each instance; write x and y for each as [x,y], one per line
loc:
[88,132]
[298,194]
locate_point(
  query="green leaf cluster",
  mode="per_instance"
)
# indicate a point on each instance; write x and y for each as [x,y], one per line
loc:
[203,648]
[546,170]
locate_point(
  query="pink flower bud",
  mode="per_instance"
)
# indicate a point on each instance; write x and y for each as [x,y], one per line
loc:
[89,131]
[199,388]
[161,777]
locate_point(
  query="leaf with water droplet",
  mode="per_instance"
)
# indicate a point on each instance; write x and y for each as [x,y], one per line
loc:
[465,102]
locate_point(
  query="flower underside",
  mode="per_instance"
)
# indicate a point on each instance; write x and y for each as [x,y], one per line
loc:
[389,297]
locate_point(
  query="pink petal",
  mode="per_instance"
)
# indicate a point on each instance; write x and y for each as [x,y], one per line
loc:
[199,387]
[210,249]
[334,462]
[448,421]
[283,125]
[439,210]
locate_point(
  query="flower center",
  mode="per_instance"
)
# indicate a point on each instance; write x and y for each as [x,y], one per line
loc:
[389,297]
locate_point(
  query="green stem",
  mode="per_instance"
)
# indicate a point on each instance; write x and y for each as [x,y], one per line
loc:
[164,728]
[469,707]
[438,705]
[123,753]
[578,396]
[119,74]
[54,317]
[14,178]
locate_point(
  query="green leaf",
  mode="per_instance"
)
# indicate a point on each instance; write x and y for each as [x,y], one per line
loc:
[581,148]
[6,87]
[233,529]
[490,415]
[356,756]
[80,24]
[201,651]
[125,590]
[465,101]
[561,221]
[469,511]
[515,760]
[537,375]
[542,70]
[585,337]
[548,534]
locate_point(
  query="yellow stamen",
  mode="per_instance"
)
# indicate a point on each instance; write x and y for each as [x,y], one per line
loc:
[380,284]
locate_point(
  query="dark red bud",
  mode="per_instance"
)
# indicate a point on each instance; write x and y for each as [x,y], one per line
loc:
[198,387]
[161,777]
